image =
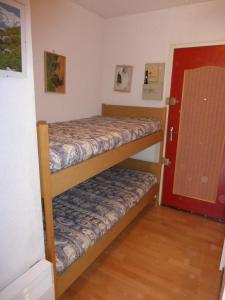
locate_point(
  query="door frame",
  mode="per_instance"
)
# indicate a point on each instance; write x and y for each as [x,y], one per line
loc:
[168,80]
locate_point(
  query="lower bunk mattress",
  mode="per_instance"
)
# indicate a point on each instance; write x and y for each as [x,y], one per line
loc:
[83,214]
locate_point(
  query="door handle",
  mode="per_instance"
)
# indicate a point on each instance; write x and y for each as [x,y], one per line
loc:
[171,130]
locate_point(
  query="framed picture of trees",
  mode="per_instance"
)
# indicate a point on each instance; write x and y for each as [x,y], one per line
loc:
[55,68]
[12,39]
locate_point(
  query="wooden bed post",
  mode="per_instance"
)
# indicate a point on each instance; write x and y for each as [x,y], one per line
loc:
[159,167]
[46,191]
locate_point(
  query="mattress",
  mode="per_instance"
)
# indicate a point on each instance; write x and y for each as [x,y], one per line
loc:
[74,141]
[83,214]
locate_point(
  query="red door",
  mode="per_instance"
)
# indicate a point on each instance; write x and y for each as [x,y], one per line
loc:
[192,67]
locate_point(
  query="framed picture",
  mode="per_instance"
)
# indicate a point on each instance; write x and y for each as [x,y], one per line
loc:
[12,39]
[55,69]
[153,81]
[123,77]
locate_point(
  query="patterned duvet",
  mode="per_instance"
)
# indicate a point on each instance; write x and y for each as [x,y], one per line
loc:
[86,212]
[74,141]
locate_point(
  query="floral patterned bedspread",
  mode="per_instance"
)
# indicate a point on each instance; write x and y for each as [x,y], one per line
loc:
[86,212]
[74,141]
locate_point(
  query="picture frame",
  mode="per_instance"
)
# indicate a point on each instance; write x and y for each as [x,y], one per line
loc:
[123,78]
[153,81]
[12,39]
[55,72]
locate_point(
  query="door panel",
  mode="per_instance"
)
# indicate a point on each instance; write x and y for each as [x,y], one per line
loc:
[193,179]
[202,115]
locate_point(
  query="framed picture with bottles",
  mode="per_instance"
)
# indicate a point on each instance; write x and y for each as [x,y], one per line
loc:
[153,81]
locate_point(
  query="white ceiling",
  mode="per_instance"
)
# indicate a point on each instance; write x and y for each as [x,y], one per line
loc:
[116,8]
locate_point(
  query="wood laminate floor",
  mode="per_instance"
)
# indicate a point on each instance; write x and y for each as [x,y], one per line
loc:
[163,255]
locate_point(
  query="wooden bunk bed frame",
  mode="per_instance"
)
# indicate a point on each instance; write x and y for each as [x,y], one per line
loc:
[56,183]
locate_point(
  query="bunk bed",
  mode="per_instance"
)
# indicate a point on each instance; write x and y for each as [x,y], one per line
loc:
[66,181]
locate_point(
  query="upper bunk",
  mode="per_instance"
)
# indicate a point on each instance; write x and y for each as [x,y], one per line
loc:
[128,130]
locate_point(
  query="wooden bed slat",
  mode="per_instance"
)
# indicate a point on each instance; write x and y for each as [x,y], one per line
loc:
[141,165]
[134,111]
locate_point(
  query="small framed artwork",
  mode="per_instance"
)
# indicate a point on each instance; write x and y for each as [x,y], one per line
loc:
[123,78]
[55,69]
[153,81]
[12,39]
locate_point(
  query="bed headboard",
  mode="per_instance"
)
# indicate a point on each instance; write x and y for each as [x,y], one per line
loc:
[135,111]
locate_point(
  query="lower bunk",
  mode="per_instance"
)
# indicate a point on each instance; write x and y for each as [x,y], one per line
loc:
[89,216]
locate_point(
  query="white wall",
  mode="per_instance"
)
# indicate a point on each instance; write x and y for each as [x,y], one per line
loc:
[20,204]
[72,31]
[143,38]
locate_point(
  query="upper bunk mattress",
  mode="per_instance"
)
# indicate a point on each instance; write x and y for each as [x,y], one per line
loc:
[74,141]
[83,214]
